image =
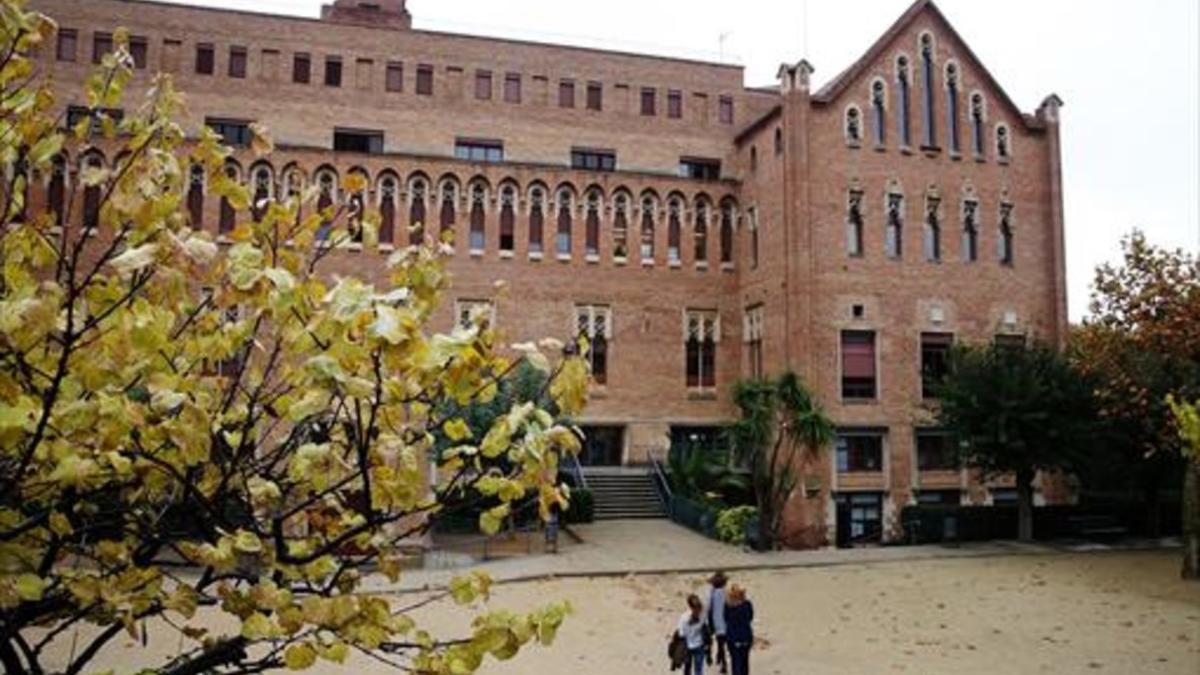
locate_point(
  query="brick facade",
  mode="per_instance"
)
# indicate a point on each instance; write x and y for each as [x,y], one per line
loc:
[788,171]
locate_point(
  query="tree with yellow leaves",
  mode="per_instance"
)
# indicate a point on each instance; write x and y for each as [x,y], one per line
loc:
[256,450]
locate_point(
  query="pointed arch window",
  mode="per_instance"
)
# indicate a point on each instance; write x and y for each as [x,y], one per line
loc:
[562,239]
[854,224]
[537,220]
[853,126]
[388,193]
[879,110]
[727,235]
[933,229]
[447,215]
[327,196]
[978,115]
[778,141]
[416,212]
[227,215]
[752,216]
[647,248]
[952,106]
[674,231]
[1006,234]
[357,211]
[927,85]
[894,234]
[621,227]
[264,189]
[91,196]
[591,234]
[478,218]
[700,233]
[56,192]
[903,93]
[1003,143]
[970,233]
[195,196]
[508,218]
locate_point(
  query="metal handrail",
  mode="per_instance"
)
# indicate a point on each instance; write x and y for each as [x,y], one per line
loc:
[661,484]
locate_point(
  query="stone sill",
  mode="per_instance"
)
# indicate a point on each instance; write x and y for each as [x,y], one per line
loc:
[647,263]
[476,253]
[535,255]
[563,257]
[592,258]
[506,255]
[701,395]
[727,267]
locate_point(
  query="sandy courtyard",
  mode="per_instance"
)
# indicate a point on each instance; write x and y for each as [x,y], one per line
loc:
[1125,613]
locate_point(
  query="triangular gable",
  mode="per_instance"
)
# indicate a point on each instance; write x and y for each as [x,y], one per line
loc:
[878,50]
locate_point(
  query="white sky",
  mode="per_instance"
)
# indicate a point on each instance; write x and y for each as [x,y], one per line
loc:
[1128,73]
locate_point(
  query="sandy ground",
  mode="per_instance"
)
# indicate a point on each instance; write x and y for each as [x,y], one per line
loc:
[1124,613]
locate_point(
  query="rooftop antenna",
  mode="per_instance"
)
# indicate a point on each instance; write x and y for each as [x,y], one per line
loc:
[804,28]
[721,42]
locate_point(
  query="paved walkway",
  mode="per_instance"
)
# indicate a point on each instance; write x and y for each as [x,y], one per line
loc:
[622,547]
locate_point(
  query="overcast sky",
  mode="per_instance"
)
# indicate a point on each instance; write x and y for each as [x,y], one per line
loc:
[1128,73]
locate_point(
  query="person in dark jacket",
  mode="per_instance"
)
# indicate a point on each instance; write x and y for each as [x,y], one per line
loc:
[739,632]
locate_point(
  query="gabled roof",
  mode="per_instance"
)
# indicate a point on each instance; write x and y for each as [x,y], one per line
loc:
[840,83]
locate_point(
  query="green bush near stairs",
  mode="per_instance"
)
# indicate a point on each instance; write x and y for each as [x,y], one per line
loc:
[582,508]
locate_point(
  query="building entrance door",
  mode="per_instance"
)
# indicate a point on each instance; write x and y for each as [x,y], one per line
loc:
[602,446]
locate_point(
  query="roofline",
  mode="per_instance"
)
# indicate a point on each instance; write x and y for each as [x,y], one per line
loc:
[437,33]
[840,83]
[758,124]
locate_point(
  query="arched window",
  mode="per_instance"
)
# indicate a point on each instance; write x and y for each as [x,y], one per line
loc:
[91,194]
[674,230]
[700,233]
[1006,234]
[478,218]
[388,192]
[978,115]
[227,215]
[1002,142]
[854,224]
[447,214]
[195,196]
[647,248]
[537,219]
[264,190]
[293,183]
[952,105]
[853,125]
[621,227]
[894,238]
[933,229]
[879,109]
[562,239]
[970,233]
[904,94]
[727,233]
[326,198]
[508,218]
[416,211]
[56,191]
[778,141]
[357,211]
[591,238]
[753,158]
[928,87]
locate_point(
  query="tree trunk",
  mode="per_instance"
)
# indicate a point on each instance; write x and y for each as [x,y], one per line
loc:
[1025,504]
[1191,520]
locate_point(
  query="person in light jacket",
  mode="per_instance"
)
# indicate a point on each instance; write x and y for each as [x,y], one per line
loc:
[739,631]
[696,635]
[716,615]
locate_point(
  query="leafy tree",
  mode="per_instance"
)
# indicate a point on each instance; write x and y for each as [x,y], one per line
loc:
[1147,311]
[1018,410]
[780,423]
[1187,417]
[286,418]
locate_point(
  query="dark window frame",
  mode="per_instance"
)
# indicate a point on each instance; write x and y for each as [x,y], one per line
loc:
[206,59]
[649,102]
[566,93]
[67,37]
[393,76]
[233,132]
[512,88]
[302,68]
[859,387]
[592,159]
[333,72]
[595,96]
[483,85]
[479,149]
[935,450]
[700,168]
[935,361]
[102,43]
[361,141]
[860,451]
[239,62]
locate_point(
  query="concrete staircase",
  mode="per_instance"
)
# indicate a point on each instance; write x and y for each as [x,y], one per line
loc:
[623,492]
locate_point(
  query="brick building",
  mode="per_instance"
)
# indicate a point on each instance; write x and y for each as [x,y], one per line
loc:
[698,229]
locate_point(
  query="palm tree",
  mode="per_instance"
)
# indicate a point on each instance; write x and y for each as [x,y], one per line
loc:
[780,423]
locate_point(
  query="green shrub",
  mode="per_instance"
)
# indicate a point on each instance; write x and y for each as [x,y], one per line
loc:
[582,508]
[731,524]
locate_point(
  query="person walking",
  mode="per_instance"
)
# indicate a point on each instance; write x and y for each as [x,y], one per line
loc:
[739,617]
[694,632]
[716,615]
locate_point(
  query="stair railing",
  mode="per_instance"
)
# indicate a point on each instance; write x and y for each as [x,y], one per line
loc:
[662,487]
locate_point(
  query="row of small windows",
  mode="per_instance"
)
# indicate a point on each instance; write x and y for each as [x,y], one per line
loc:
[933,227]
[855,124]
[394,76]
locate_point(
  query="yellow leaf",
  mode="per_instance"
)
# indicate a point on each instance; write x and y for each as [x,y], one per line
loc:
[30,587]
[299,656]
[457,429]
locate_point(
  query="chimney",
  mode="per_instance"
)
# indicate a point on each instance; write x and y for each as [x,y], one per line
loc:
[372,13]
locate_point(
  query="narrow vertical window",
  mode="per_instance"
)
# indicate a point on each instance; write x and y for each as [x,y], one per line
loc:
[858,365]
[933,229]
[927,86]
[700,233]
[674,230]
[537,220]
[68,44]
[139,48]
[1002,143]
[394,77]
[595,96]
[425,80]
[879,109]
[935,361]
[388,193]
[57,191]
[621,227]
[447,215]
[725,109]
[483,85]
[701,336]
[977,119]
[591,239]
[674,104]
[903,94]
[91,197]
[301,68]
[778,141]
[205,59]
[594,326]
[326,198]
[952,106]
[970,233]
[562,239]
[727,235]
[227,216]
[1006,234]
[333,71]
[753,336]
[508,218]
[854,224]
[895,225]
[753,158]
[102,43]
[263,191]
[512,88]
[566,94]
[752,214]
[853,126]
[357,207]
[478,218]
[237,62]
[416,212]
[647,248]
[648,101]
